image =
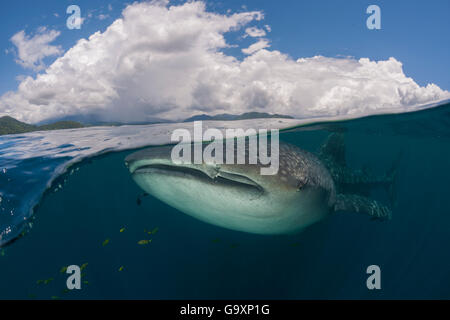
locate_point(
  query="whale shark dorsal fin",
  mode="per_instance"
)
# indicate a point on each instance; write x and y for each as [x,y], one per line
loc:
[334,149]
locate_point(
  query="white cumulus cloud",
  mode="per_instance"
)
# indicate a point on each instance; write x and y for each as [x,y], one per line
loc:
[167,62]
[261,44]
[31,51]
[254,32]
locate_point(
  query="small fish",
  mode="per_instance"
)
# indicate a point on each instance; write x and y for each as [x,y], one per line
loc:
[63,270]
[32,296]
[39,281]
[86,282]
[155,230]
[234,245]
[121,269]
[144,242]
[55,297]
[83,266]
[122,230]
[65,291]
[138,200]
[2,252]
[216,241]
[105,242]
[48,281]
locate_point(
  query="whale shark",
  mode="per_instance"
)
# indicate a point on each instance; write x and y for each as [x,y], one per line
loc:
[306,189]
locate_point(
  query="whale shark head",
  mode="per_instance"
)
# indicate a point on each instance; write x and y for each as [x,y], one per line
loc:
[237,196]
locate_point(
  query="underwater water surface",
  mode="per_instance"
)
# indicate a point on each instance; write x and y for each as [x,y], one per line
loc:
[95,215]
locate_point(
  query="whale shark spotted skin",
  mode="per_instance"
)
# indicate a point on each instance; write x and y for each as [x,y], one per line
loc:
[238,197]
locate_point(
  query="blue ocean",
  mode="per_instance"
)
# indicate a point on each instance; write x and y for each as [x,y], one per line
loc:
[67,198]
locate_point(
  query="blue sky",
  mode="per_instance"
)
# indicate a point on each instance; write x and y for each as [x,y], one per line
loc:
[414,32]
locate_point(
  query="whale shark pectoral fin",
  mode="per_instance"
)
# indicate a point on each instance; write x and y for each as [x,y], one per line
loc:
[359,204]
[334,149]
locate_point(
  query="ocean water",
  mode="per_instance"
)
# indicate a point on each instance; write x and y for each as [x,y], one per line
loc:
[67,195]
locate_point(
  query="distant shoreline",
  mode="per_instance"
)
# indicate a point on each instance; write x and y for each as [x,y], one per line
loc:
[9,125]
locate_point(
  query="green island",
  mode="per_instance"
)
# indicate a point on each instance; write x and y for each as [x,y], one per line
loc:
[9,125]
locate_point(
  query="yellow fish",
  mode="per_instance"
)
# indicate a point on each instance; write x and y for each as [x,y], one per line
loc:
[105,242]
[144,242]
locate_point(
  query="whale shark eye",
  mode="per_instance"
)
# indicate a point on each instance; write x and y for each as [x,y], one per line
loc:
[301,184]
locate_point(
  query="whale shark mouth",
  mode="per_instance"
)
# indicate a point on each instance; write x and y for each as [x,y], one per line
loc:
[218,178]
